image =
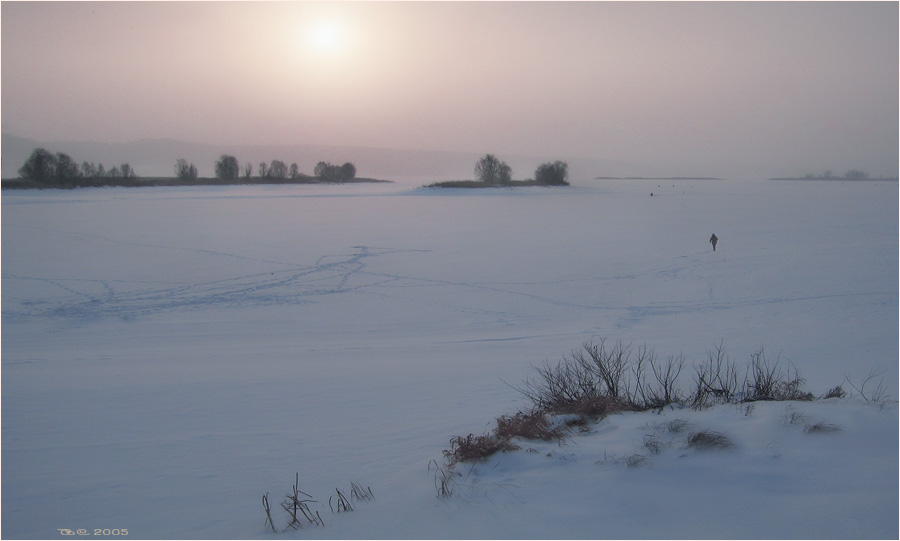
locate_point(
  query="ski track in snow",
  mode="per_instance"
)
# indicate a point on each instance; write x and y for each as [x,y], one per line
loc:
[95,298]
[85,298]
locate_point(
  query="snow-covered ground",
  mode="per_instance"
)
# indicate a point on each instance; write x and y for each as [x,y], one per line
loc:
[170,355]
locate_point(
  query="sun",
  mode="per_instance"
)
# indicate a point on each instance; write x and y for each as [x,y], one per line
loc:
[324,36]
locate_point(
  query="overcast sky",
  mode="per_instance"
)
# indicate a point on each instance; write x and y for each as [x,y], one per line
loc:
[797,86]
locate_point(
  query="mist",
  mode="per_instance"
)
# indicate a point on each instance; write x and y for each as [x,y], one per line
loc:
[666,88]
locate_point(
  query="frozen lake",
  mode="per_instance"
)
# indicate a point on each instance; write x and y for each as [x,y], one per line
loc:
[171,354]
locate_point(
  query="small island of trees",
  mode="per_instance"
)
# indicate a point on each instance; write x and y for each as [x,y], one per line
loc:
[492,172]
[44,169]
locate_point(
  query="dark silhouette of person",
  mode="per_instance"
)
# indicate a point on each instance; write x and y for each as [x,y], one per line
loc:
[713,240]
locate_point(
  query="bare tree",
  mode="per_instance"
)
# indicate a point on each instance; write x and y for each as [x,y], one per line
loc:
[491,170]
[295,170]
[127,171]
[88,169]
[40,166]
[263,169]
[716,380]
[67,170]
[321,170]
[184,170]
[247,170]
[278,170]
[227,167]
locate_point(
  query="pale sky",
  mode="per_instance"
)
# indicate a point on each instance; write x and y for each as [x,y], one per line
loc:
[800,86]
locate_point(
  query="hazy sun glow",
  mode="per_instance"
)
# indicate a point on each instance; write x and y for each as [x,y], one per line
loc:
[324,36]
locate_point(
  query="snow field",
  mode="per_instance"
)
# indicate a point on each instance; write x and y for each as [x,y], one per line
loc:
[171,355]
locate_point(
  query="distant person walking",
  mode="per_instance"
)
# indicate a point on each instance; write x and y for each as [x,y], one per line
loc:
[713,240]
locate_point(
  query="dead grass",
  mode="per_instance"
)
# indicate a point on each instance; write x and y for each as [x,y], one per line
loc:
[821,428]
[675,425]
[474,448]
[635,460]
[444,479]
[709,440]
[835,392]
[652,443]
[531,426]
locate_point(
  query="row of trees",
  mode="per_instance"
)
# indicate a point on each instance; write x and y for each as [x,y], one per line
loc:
[45,167]
[491,170]
[48,168]
[228,168]
[335,173]
[852,174]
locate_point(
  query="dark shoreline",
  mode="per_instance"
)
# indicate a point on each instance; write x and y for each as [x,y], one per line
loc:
[480,184]
[657,178]
[21,184]
[833,179]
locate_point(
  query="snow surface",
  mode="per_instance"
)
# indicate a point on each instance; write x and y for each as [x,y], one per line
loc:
[169,355]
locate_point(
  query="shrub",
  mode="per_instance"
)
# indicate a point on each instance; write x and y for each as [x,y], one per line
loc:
[769,382]
[878,394]
[557,389]
[592,381]
[716,380]
[608,366]
[599,379]
[764,379]
[665,391]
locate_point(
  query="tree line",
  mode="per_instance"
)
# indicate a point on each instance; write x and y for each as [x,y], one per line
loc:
[227,167]
[852,174]
[47,168]
[44,167]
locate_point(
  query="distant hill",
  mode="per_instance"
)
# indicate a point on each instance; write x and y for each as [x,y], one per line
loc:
[156,158]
